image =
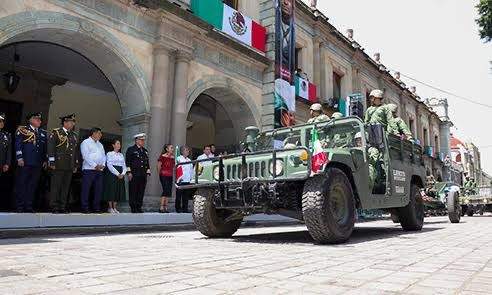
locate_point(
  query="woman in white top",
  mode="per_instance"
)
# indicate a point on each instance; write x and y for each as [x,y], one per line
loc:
[114,178]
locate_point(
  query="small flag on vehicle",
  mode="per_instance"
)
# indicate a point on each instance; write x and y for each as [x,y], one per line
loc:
[179,169]
[319,158]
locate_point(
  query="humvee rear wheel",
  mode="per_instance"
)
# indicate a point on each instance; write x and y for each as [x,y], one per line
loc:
[470,211]
[412,215]
[328,207]
[453,206]
[210,221]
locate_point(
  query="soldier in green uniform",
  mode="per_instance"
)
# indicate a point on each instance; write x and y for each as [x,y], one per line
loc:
[397,126]
[373,155]
[378,113]
[62,156]
[317,114]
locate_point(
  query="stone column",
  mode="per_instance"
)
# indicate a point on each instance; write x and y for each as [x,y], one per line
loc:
[317,64]
[179,114]
[160,108]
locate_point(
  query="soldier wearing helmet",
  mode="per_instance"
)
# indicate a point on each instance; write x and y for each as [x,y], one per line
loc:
[397,126]
[377,113]
[317,114]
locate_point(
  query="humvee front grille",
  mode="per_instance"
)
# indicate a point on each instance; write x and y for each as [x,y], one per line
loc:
[254,170]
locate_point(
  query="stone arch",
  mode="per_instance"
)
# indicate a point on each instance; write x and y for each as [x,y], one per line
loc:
[96,44]
[234,110]
[214,84]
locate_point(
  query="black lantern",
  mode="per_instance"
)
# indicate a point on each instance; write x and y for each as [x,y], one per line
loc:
[11,81]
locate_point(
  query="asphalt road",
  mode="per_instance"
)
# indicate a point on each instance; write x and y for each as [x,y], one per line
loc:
[380,258]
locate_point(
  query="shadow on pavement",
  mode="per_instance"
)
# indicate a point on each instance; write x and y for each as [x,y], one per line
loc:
[25,241]
[360,235]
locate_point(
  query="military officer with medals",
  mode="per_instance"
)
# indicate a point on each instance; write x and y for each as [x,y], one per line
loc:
[63,162]
[30,152]
[138,169]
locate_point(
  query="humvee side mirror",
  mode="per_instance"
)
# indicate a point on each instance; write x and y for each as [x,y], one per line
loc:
[375,132]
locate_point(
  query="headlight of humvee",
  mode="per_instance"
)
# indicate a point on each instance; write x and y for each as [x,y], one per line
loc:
[216,173]
[279,169]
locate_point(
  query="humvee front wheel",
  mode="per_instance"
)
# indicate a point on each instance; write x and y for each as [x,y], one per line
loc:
[453,206]
[210,221]
[328,207]
[412,215]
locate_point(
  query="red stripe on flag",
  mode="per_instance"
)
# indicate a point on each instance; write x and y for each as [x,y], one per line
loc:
[313,96]
[179,173]
[258,38]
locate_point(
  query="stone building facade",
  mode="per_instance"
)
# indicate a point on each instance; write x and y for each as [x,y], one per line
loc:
[152,66]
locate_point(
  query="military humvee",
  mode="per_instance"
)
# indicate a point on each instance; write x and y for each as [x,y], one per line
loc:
[476,201]
[273,175]
[444,199]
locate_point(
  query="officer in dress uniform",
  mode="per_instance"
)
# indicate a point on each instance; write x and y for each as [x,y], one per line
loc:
[30,151]
[137,162]
[5,156]
[63,162]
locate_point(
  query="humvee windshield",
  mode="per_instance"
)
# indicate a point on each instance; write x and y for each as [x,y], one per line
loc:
[333,134]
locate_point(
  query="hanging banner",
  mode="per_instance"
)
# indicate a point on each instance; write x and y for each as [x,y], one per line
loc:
[285,46]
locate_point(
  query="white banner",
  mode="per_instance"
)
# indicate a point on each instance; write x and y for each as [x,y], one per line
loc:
[237,25]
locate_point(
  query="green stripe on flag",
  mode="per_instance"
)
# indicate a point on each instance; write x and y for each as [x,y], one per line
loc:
[210,11]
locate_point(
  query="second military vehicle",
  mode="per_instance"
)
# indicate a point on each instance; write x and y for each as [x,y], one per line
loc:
[443,198]
[319,173]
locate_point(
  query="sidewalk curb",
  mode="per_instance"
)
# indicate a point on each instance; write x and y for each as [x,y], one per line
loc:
[120,229]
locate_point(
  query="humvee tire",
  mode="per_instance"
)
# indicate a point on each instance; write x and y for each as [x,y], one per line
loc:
[412,215]
[210,221]
[454,207]
[328,207]
[470,211]
[395,218]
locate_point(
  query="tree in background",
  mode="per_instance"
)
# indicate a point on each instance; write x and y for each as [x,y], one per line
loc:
[484,20]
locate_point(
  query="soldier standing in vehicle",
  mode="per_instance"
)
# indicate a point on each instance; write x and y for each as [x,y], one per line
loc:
[138,169]
[30,151]
[317,114]
[62,159]
[378,113]
[397,126]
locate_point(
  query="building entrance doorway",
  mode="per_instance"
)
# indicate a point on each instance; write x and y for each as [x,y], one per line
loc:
[55,81]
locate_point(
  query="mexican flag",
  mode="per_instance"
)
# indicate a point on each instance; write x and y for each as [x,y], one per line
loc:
[231,22]
[319,158]
[305,89]
[179,169]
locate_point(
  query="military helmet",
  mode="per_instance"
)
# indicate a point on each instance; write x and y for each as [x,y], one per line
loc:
[376,93]
[337,115]
[392,107]
[315,107]
[358,135]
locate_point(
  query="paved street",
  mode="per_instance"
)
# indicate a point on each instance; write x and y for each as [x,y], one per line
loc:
[380,259]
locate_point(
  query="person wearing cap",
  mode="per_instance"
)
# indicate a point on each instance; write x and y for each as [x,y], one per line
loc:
[138,169]
[336,115]
[62,161]
[317,114]
[94,162]
[5,147]
[377,113]
[30,152]
[397,126]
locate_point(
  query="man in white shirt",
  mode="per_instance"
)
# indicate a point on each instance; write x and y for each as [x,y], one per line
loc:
[207,154]
[92,170]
